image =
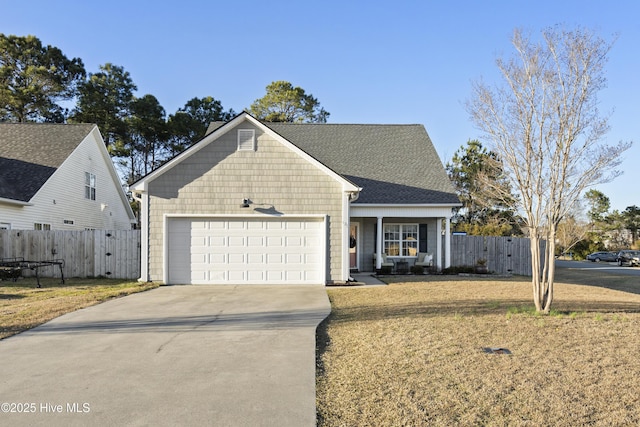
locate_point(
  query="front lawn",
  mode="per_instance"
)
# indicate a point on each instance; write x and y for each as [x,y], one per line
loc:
[411,354]
[24,306]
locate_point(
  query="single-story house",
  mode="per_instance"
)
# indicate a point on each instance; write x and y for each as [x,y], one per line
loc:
[59,177]
[256,202]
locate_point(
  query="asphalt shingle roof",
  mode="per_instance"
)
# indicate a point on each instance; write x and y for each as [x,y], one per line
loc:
[31,152]
[395,164]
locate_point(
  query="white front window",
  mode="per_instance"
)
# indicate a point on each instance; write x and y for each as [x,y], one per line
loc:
[401,240]
[41,226]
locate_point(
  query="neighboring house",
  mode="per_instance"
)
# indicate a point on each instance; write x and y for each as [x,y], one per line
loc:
[256,202]
[59,177]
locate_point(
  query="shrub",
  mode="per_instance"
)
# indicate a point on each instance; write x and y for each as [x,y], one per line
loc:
[384,270]
[459,269]
[417,269]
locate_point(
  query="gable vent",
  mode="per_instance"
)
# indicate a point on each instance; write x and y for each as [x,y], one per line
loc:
[246,139]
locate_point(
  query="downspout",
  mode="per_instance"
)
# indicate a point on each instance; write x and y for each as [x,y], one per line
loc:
[379,245]
[439,243]
[447,242]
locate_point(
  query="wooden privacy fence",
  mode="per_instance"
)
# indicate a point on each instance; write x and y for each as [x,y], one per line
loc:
[116,254]
[94,253]
[504,255]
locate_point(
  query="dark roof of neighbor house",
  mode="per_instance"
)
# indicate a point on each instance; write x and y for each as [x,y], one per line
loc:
[31,152]
[394,164]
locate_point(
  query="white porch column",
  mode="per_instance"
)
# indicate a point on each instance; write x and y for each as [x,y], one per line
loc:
[439,243]
[346,224]
[447,242]
[379,244]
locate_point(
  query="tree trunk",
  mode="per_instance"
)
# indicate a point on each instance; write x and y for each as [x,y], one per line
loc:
[542,272]
[534,241]
[550,270]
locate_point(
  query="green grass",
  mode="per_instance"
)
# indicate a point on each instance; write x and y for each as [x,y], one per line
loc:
[24,306]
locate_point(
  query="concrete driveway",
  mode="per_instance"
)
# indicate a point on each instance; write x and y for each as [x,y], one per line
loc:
[176,355]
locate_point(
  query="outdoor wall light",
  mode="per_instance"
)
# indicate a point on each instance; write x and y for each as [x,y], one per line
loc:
[245,203]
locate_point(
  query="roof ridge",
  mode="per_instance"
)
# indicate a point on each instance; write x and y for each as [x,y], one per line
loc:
[341,124]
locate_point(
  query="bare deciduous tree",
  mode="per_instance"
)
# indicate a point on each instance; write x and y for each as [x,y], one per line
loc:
[573,228]
[544,124]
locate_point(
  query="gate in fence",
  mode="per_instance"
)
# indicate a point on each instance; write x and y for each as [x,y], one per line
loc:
[504,255]
[92,253]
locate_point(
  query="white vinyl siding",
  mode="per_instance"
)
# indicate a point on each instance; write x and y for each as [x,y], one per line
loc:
[63,195]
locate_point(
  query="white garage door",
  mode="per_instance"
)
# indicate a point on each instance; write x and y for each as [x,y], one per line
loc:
[245,251]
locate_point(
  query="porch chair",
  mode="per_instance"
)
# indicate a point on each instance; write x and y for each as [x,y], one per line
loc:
[425,259]
[385,262]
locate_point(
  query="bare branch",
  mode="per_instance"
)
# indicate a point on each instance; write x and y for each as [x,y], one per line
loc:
[544,124]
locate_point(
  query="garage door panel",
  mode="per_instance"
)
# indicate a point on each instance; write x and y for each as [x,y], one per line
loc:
[312,276]
[236,225]
[293,241]
[199,275]
[274,225]
[199,258]
[294,225]
[294,276]
[311,258]
[256,276]
[217,258]
[255,225]
[312,241]
[216,276]
[216,241]
[294,258]
[236,276]
[276,258]
[199,225]
[277,241]
[237,258]
[256,259]
[255,241]
[237,241]
[219,250]
[216,225]
[275,275]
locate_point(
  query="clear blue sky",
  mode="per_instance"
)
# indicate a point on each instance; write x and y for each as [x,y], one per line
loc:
[366,61]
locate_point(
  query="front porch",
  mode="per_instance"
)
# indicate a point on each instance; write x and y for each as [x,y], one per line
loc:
[403,240]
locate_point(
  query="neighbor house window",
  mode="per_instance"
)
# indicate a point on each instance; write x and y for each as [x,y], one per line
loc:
[89,186]
[401,240]
[246,139]
[5,226]
[40,226]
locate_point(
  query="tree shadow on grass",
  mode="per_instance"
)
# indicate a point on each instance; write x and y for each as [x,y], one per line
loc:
[376,312]
[11,296]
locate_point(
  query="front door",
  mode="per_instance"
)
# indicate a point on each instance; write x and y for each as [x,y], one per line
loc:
[353,247]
